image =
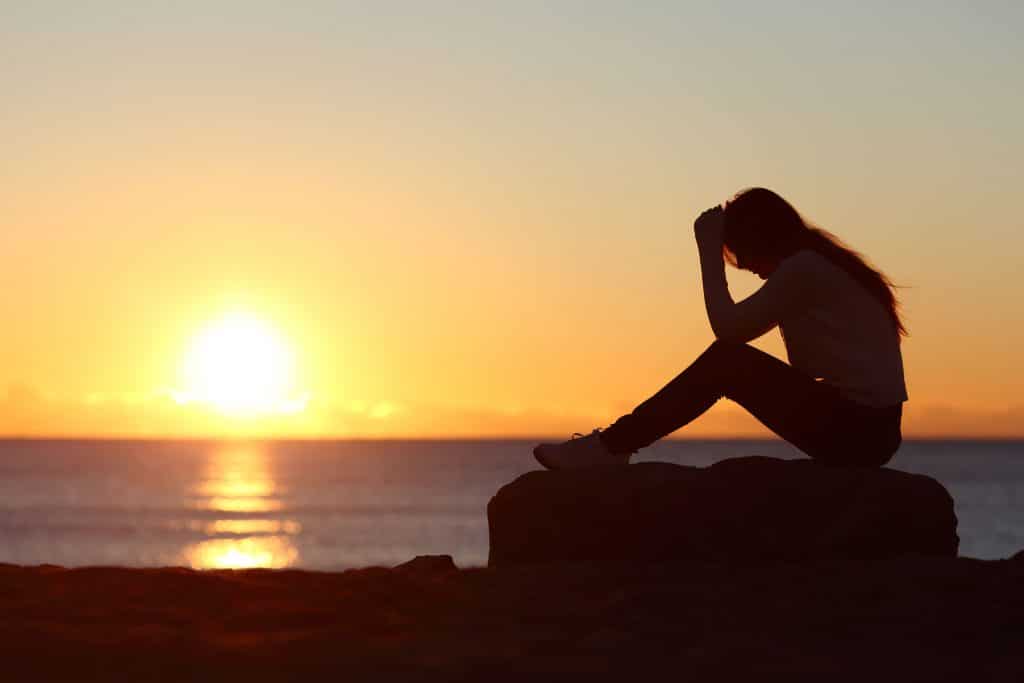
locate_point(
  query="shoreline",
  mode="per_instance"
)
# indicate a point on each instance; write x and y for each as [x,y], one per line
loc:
[914,618]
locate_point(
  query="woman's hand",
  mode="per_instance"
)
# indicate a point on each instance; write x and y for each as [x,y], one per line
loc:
[709,228]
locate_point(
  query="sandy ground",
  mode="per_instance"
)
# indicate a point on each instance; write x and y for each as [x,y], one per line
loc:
[912,619]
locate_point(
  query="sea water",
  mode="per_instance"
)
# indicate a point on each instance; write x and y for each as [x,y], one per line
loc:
[331,505]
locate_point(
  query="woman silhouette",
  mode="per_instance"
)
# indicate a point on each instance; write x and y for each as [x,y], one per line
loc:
[840,323]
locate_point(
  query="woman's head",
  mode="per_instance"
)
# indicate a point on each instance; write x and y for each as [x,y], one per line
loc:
[762,229]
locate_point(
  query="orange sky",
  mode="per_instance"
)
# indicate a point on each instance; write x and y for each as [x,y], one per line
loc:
[477,222]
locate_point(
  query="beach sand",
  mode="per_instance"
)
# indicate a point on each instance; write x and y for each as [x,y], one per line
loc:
[912,619]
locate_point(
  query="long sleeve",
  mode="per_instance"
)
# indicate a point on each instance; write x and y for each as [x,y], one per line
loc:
[786,291]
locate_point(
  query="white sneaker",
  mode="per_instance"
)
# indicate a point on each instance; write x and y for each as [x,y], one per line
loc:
[588,451]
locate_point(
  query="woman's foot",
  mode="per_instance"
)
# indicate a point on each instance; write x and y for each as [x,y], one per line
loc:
[586,451]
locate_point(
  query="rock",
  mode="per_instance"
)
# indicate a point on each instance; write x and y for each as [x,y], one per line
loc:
[911,620]
[429,564]
[752,508]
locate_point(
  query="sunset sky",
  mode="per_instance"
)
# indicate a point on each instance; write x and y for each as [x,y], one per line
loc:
[459,219]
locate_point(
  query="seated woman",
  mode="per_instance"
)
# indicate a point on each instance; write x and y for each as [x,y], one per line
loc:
[840,400]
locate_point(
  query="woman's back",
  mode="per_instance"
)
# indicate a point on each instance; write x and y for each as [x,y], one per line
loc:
[844,335]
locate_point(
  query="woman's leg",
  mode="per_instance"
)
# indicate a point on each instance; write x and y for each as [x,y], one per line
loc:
[811,415]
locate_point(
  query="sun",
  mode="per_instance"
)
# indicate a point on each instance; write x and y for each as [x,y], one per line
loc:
[240,366]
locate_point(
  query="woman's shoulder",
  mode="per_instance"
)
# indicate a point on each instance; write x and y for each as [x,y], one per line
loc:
[804,263]
[808,267]
[805,258]
[808,263]
[812,274]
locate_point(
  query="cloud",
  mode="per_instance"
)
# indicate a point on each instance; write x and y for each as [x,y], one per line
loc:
[27,411]
[438,420]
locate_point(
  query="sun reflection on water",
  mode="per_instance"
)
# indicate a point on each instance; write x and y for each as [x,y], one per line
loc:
[238,480]
[253,526]
[274,552]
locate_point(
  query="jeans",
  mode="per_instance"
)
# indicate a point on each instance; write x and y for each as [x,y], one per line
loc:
[813,416]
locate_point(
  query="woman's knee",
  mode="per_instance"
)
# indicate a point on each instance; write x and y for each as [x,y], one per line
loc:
[738,366]
[729,352]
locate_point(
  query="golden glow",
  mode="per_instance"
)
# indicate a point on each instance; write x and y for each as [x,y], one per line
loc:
[273,552]
[228,504]
[240,366]
[461,254]
[253,526]
[239,480]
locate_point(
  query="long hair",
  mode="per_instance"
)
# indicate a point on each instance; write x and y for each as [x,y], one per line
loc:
[760,223]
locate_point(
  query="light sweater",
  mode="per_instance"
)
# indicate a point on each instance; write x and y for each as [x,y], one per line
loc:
[833,328]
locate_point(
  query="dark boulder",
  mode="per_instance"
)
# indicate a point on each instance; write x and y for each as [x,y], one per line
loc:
[429,564]
[752,508]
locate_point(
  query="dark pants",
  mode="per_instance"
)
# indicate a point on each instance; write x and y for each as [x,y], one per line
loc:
[813,416]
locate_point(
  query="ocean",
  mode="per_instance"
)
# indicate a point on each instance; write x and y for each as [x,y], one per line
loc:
[330,505]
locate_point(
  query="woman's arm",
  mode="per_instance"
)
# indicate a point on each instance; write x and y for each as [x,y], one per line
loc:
[788,290]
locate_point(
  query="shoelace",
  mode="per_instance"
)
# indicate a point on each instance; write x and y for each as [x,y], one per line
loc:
[576,434]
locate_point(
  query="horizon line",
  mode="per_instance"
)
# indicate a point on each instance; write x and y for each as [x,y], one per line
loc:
[454,438]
